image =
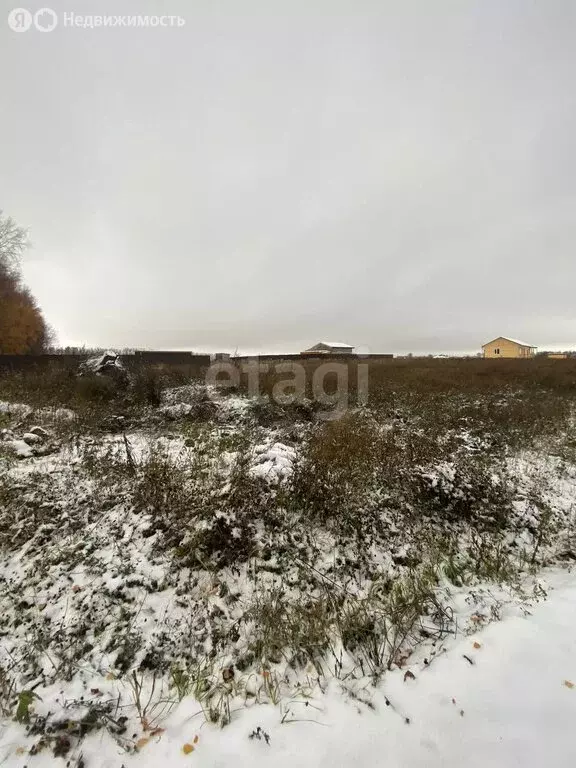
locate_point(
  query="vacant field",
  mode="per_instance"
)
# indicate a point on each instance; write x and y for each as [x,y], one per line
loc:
[450,375]
[164,541]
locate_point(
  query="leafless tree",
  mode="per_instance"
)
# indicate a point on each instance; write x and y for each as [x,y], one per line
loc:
[23,329]
[13,242]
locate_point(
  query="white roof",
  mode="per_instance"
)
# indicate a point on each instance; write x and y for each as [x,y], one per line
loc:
[514,341]
[336,344]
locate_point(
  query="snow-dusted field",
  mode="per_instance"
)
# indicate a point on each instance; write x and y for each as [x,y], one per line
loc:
[502,695]
[216,581]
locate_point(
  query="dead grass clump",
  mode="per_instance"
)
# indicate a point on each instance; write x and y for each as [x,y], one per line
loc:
[381,629]
[160,484]
[470,490]
[377,630]
[337,469]
[146,386]
[229,510]
[293,630]
[8,690]
[163,486]
[95,389]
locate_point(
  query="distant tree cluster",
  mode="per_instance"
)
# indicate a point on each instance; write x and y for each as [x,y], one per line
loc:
[90,351]
[23,329]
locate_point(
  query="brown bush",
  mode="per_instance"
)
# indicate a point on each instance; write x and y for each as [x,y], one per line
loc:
[22,326]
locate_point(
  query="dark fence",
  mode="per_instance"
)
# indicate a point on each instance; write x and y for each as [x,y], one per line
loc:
[186,363]
[28,362]
[319,357]
[165,357]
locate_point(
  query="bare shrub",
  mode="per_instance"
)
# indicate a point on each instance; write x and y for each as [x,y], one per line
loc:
[337,468]
[227,513]
[469,490]
[379,628]
[294,630]
[98,389]
[146,386]
[162,487]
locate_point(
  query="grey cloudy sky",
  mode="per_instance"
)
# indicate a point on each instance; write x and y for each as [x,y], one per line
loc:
[399,175]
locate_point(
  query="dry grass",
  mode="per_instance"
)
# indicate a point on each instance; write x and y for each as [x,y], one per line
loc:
[406,493]
[430,375]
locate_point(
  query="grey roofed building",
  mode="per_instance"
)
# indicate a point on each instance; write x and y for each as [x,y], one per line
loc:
[329,348]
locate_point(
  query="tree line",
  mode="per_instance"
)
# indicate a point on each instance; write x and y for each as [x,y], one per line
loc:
[23,329]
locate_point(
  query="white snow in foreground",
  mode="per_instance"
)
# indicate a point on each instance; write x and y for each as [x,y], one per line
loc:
[513,705]
[273,461]
[15,409]
[50,414]
[20,448]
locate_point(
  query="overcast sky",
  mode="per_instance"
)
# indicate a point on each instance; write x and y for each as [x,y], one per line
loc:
[398,175]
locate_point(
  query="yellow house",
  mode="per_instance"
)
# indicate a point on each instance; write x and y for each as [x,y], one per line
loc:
[504,347]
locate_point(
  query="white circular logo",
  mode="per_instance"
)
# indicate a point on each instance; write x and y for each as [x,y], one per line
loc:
[19,20]
[45,20]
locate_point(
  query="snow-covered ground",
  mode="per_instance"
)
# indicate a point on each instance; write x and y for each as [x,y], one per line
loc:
[502,696]
[515,704]
[146,565]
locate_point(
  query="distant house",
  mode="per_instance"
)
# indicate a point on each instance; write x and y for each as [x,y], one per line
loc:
[504,347]
[329,348]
